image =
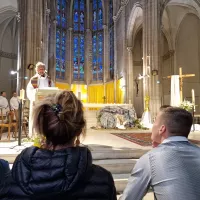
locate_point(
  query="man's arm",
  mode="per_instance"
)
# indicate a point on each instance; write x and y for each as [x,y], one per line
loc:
[52,84]
[30,91]
[139,181]
[12,104]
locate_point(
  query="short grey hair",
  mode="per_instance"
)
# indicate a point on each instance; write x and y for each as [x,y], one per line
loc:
[38,65]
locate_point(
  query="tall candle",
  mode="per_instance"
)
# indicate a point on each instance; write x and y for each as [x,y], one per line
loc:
[193,98]
[22,92]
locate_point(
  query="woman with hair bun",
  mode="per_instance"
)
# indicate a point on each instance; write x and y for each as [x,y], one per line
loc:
[59,169]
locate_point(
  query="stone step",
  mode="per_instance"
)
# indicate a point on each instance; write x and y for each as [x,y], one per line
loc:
[117,154]
[97,154]
[117,166]
[120,181]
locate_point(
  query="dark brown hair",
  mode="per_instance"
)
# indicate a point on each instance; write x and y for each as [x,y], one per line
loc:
[177,120]
[59,118]
[164,107]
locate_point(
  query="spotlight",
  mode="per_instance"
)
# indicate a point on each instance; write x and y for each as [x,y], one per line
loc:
[13,72]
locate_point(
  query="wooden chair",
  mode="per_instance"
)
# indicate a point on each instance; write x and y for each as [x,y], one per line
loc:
[25,118]
[7,121]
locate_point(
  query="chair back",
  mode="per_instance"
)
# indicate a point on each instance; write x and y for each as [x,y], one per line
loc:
[3,116]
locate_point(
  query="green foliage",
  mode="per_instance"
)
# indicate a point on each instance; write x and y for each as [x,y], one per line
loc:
[187,105]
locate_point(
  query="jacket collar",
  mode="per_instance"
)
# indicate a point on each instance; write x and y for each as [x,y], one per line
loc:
[175,139]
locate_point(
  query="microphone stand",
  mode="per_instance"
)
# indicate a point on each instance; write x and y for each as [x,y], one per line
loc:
[20,122]
[20,146]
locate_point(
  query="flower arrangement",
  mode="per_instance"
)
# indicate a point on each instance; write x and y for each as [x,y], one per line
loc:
[187,105]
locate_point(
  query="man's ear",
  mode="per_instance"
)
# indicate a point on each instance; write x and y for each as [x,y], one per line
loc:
[162,129]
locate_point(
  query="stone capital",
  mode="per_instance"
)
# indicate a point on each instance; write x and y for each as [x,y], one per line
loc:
[130,49]
[18,16]
[105,26]
[48,11]
[88,30]
[114,19]
[70,29]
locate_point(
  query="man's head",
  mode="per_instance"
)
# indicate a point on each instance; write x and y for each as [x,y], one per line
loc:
[40,68]
[171,121]
[14,94]
[3,93]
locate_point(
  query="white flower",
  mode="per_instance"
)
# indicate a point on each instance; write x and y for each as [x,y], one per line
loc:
[187,105]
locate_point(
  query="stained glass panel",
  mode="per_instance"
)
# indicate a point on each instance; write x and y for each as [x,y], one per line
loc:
[61,39]
[79,40]
[97,40]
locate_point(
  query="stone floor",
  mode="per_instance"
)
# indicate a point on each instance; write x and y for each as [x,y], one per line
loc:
[97,140]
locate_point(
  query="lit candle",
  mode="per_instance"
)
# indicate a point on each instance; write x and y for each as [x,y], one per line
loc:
[22,92]
[193,98]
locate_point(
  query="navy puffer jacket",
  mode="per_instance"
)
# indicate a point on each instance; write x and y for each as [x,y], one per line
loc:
[69,174]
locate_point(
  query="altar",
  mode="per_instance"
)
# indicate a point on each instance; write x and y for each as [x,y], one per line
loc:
[101,105]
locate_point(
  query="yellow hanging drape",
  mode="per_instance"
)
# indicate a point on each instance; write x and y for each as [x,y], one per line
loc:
[110,92]
[95,94]
[62,86]
[120,91]
[82,89]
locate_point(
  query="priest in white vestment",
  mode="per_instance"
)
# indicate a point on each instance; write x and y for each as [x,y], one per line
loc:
[14,104]
[39,80]
[4,103]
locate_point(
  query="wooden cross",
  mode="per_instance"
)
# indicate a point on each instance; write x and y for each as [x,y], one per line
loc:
[104,99]
[181,77]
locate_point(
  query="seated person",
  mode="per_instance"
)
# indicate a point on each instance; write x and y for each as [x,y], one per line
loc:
[59,169]
[4,175]
[172,168]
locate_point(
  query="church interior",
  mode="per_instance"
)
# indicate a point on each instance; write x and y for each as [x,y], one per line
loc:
[106,52]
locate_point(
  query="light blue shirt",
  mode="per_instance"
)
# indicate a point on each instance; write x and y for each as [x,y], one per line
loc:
[172,170]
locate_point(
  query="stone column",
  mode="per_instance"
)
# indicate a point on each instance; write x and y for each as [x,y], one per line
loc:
[52,51]
[88,59]
[69,56]
[115,59]
[46,35]
[105,56]
[129,77]
[32,40]
[151,53]
[19,52]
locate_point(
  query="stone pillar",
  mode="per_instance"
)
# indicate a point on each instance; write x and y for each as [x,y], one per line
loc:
[130,86]
[46,35]
[151,53]
[115,59]
[32,40]
[88,53]
[105,56]
[19,52]
[52,50]
[88,58]
[69,56]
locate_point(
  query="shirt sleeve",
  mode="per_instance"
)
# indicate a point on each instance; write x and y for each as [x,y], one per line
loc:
[52,84]
[139,181]
[30,91]
[12,104]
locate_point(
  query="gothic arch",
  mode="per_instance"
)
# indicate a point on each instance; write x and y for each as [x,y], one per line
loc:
[134,22]
[195,4]
[180,25]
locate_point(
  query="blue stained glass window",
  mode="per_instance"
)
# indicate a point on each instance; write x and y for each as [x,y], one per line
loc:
[111,34]
[79,39]
[61,39]
[97,41]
